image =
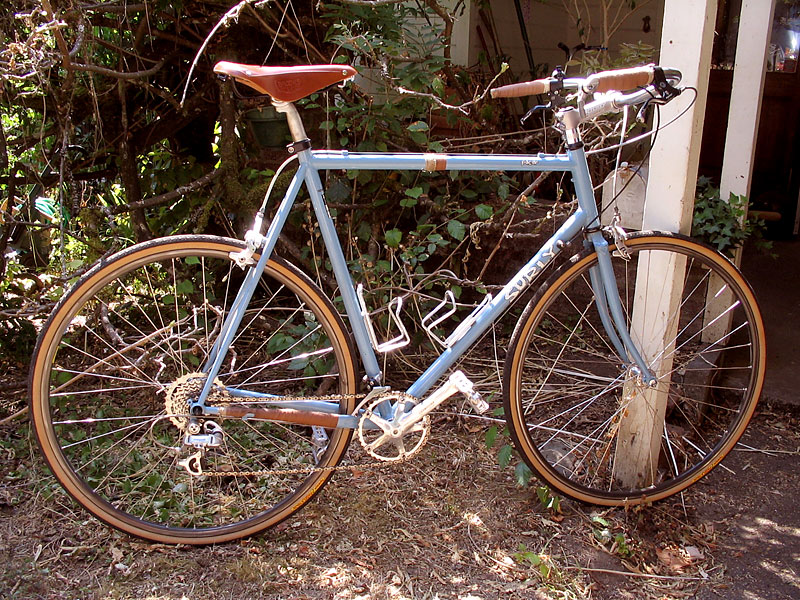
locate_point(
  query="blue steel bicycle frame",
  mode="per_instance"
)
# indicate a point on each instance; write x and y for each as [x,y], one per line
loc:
[586,216]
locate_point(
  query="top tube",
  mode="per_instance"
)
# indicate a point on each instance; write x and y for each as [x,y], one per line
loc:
[418,161]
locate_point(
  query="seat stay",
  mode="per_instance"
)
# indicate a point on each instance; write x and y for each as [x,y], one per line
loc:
[245,293]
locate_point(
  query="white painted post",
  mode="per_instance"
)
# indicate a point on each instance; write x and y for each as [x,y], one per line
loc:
[461,51]
[749,72]
[686,42]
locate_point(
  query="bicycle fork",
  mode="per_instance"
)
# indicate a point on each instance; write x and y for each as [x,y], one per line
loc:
[609,306]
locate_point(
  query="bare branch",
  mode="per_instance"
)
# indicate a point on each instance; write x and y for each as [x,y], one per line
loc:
[232,15]
[112,8]
[119,74]
[169,196]
[371,2]
[62,44]
[460,107]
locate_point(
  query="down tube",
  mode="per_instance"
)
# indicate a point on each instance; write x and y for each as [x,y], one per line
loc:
[518,284]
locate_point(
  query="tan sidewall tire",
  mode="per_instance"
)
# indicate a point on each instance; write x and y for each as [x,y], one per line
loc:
[87,287]
[515,416]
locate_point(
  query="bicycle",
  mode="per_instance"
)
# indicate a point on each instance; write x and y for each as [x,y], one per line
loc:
[198,389]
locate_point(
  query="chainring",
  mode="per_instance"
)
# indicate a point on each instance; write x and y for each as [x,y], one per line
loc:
[387,442]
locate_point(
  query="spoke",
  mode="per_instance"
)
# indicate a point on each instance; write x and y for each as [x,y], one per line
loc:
[104,361]
[101,390]
[253,384]
[120,354]
[284,352]
[102,435]
[709,324]
[255,316]
[556,359]
[98,375]
[158,312]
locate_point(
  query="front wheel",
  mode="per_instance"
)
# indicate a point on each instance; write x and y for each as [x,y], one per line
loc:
[578,416]
[120,358]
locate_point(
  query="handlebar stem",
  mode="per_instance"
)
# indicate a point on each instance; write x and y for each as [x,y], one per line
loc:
[571,119]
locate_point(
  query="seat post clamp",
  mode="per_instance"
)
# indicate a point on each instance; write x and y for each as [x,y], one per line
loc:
[299,146]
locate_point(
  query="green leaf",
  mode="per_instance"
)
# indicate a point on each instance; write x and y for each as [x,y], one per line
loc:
[523,474]
[484,211]
[438,86]
[414,192]
[600,520]
[503,191]
[279,342]
[419,137]
[418,126]
[456,229]
[184,287]
[504,456]
[393,237]
[491,436]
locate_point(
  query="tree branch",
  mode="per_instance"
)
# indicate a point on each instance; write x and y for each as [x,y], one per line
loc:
[167,197]
[232,15]
[111,8]
[119,74]
[60,42]
[371,2]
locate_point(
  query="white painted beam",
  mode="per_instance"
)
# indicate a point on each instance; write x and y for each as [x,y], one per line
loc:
[686,42]
[749,72]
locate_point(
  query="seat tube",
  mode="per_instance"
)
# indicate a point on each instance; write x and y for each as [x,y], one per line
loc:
[332,245]
[341,272]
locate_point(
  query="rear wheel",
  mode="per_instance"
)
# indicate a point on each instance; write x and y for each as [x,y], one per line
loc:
[121,355]
[571,405]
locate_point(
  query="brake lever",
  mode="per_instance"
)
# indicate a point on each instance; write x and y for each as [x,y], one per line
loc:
[664,88]
[556,99]
[536,109]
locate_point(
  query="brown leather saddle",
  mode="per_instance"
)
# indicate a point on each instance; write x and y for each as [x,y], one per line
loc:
[286,84]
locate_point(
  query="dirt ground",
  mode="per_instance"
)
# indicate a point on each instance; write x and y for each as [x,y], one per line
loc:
[449,524]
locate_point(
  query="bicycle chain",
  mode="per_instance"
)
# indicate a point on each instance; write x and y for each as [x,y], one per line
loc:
[309,469]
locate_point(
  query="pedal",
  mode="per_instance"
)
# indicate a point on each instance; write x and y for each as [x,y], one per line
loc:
[466,387]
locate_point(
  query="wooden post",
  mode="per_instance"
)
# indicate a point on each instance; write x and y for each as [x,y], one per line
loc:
[686,41]
[749,72]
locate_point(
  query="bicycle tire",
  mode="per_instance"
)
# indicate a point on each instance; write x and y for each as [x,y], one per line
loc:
[128,329]
[565,393]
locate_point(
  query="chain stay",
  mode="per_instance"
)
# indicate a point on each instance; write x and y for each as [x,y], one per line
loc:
[298,470]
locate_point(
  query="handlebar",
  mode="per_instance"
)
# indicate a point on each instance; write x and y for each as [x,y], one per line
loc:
[605,81]
[653,83]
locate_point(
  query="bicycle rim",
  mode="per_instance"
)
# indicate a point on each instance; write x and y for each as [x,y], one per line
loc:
[111,421]
[571,403]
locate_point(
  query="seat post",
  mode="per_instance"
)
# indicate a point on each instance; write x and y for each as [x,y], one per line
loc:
[293,118]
